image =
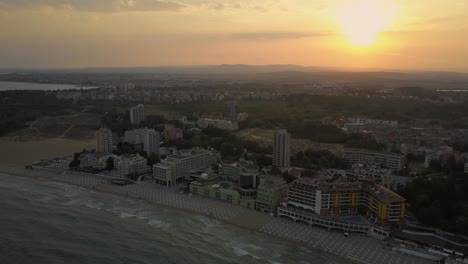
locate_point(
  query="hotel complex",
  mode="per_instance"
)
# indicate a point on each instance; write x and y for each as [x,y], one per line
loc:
[380,205]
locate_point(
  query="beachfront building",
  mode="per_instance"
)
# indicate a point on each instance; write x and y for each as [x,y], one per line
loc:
[137,114]
[104,141]
[221,124]
[380,205]
[224,191]
[281,149]
[270,192]
[96,161]
[230,171]
[175,168]
[148,138]
[131,164]
[231,110]
[172,133]
[393,161]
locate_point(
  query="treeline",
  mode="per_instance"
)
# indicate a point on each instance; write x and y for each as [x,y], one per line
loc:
[441,201]
[19,107]
[231,146]
[310,159]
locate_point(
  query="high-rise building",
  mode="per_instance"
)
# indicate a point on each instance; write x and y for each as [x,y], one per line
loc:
[104,140]
[137,114]
[148,138]
[281,149]
[231,110]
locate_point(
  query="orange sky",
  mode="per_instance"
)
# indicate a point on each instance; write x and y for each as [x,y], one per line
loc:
[416,34]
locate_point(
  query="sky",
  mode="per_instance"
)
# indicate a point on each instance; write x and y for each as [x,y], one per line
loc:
[360,34]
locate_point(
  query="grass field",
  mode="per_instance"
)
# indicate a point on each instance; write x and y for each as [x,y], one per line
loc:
[75,126]
[264,137]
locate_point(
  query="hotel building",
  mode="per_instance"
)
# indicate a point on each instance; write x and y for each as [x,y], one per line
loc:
[380,205]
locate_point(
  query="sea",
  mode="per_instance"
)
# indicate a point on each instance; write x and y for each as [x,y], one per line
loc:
[5,86]
[49,222]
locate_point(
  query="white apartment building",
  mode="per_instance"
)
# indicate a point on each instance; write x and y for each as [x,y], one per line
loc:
[373,122]
[149,138]
[221,124]
[131,164]
[174,169]
[104,140]
[393,161]
[281,149]
[137,114]
[95,160]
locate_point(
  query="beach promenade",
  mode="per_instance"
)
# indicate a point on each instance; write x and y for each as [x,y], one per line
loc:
[358,248]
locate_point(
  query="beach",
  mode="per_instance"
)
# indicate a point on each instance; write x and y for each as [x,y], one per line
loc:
[357,248]
[21,153]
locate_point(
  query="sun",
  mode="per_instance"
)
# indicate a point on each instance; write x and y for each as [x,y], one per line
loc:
[362,21]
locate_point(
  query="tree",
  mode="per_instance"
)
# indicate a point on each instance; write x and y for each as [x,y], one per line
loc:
[153,159]
[110,163]
[76,161]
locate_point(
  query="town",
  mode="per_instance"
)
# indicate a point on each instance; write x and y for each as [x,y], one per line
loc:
[359,190]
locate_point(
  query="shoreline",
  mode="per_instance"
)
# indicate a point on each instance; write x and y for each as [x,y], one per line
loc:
[313,237]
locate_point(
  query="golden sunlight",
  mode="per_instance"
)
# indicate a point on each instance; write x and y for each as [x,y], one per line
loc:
[362,21]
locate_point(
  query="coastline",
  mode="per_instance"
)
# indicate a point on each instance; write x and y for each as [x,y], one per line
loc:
[357,248]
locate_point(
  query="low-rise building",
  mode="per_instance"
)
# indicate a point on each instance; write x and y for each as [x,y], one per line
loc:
[393,161]
[270,192]
[172,133]
[221,124]
[224,191]
[436,154]
[131,164]
[374,122]
[96,161]
[176,167]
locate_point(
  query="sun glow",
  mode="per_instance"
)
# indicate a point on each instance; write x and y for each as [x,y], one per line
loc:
[362,21]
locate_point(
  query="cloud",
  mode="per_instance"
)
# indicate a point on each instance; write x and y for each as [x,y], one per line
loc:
[95,5]
[224,6]
[280,35]
[440,20]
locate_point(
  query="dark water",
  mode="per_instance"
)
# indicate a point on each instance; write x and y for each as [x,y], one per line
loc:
[46,222]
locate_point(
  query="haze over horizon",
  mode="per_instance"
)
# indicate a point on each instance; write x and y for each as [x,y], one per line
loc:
[379,34]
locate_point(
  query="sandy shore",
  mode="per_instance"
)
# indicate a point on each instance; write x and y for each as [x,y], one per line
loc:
[21,153]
